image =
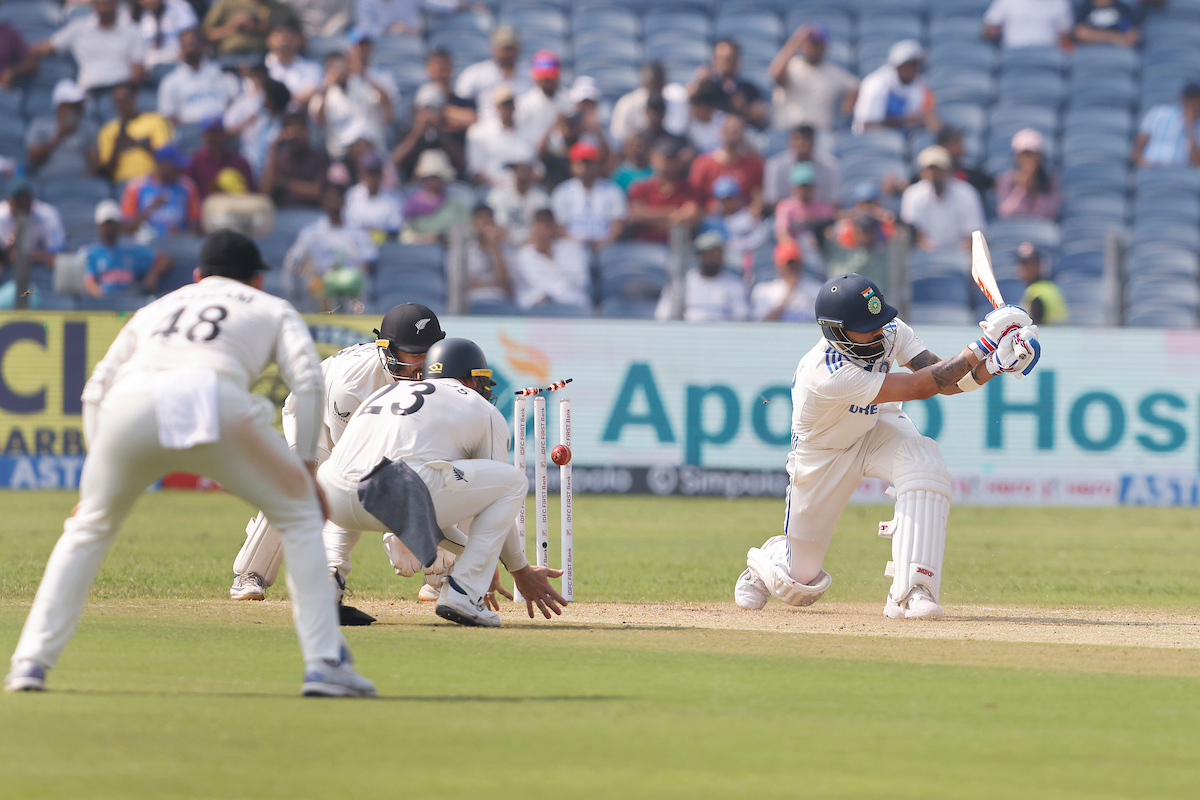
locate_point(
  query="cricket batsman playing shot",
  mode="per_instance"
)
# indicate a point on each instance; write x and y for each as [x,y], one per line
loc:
[847,424]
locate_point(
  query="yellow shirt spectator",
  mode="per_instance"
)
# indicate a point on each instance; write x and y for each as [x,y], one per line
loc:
[148,132]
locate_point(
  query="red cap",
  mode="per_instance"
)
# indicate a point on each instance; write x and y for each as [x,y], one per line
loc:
[584,151]
[786,251]
[545,65]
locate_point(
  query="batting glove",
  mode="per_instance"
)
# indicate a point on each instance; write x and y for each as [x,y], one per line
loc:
[1004,320]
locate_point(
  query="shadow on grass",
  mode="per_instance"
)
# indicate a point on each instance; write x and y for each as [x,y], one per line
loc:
[401,698]
[1074,622]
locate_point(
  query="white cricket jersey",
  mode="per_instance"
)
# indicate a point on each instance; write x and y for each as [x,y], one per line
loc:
[223,325]
[417,422]
[351,376]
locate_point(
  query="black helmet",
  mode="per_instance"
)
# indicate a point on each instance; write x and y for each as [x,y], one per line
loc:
[853,303]
[459,358]
[406,328]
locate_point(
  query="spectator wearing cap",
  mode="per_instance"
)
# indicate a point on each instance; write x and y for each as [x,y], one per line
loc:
[802,212]
[1042,298]
[295,170]
[1028,23]
[1107,22]
[743,230]
[734,157]
[214,157]
[705,120]
[951,138]
[549,269]
[113,266]
[711,293]
[487,275]
[777,174]
[197,88]
[370,206]
[546,102]
[430,131]
[430,212]
[942,210]
[460,111]
[160,23]
[1169,133]
[894,96]
[741,96]
[591,208]
[1029,190]
[808,89]
[864,205]
[166,201]
[861,248]
[479,80]
[241,26]
[581,124]
[629,114]
[665,199]
[45,236]
[126,145]
[107,47]
[256,117]
[792,297]
[301,75]
[585,96]
[63,146]
[656,132]
[330,257]
[516,199]
[636,163]
[16,59]
[355,101]
[493,144]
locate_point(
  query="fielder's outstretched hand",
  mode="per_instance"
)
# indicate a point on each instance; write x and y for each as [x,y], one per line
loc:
[490,596]
[534,585]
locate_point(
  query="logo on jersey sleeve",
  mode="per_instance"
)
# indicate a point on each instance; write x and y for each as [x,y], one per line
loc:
[341,414]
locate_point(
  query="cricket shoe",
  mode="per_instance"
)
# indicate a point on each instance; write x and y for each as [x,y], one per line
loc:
[918,605]
[456,606]
[348,616]
[26,676]
[248,587]
[328,678]
[429,593]
[750,591]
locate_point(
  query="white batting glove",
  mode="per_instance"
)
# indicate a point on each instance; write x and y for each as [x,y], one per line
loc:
[1004,319]
[403,561]
[1017,352]
[443,564]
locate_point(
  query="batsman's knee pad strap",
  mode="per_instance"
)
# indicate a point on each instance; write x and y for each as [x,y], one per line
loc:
[782,585]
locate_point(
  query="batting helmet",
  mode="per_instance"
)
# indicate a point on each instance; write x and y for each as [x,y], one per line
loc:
[406,328]
[853,303]
[459,358]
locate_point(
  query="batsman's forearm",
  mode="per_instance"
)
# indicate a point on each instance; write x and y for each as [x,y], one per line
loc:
[946,374]
[979,373]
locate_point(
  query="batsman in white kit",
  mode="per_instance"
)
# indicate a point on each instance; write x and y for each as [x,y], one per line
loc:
[426,455]
[173,393]
[847,423]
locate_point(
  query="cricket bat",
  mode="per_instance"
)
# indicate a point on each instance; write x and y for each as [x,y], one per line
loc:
[981,270]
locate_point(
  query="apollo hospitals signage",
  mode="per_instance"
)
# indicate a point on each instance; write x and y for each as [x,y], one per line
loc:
[1109,417]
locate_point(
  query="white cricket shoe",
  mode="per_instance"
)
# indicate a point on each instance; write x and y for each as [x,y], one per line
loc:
[326,678]
[919,605]
[456,606]
[429,593]
[248,587]
[750,591]
[26,676]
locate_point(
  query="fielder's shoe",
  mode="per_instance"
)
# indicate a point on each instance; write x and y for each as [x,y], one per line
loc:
[336,679]
[429,593]
[918,605]
[348,615]
[750,591]
[456,606]
[26,676]
[247,587]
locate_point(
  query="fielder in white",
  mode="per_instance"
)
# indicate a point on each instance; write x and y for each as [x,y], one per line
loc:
[847,423]
[173,393]
[438,448]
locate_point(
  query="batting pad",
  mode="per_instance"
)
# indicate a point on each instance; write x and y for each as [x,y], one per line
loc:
[918,531]
[262,553]
[779,582]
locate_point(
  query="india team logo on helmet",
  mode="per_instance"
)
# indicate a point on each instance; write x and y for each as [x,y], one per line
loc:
[874,304]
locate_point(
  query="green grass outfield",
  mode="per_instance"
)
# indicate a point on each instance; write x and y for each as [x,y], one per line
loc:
[169,691]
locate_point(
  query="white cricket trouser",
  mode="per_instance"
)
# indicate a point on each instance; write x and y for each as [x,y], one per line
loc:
[821,486]
[490,491]
[250,459]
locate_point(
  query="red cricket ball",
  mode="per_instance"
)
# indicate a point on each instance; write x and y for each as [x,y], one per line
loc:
[561,455]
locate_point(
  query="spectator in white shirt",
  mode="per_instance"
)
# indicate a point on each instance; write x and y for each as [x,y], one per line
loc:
[161,22]
[710,292]
[517,199]
[942,209]
[493,144]
[196,89]
[705,117]
[549,269]
[478,81]
[285,64]
[256,115]
[1029,23]
[629,114]
[330,257]
[353,102]
[590,207]
[777,182]
[894,96]
[487,271]
[541,106]
[45,237]
[809,89]
[63,146]
[107,47]
[792,297]
[369,206]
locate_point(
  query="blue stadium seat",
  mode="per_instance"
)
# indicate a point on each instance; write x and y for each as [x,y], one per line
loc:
[613,22]
[1161,288]
[558,310]
[1108,206]
[1096,118]
[874,142]
[633,270]
[940,314]
[945,30]
[923,264]
[760,26]
[959,8]
[950,289]
[1005,120]
[1051,59]
[536,20]
[619,308]
[891,27]
[494,308]
[679,23]
[1180,206]
[1086,263]
[83,190]
[951,84]
[1175,178]
[615,79]
[1158,316]
[891,7]
[397,47]
[1043,233]
[1098,59]
[1079,146]
[836,19]
[1165,232]
[973,55]
[968,117]
[1110,91]
[1020,87]
[1088,232]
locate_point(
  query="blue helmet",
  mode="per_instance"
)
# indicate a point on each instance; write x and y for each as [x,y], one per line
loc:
[853,303]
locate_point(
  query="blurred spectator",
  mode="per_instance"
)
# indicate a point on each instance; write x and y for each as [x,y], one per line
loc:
[741,97]
[705,117]
[894,96]
[295,170]
[126,145]
[487,272]
[197,88]
[666,199]
[16,59]
[1042,298]
[112,266]
[166,201]
[544,103]
[1029,190]
[106,46]
[802,211]
[369,206]
[777,174]
[256,117]
[160,23]
[734,157]
[590,207]
[1028,23]
[1106,22]
[710,292]
[323,17]
[516,200]
[629,114]
[330,258]
[743,231]
[864,205]
[354,102]
[951,138]
[63,146]
[942,210]
[284,63]
[493,144]
[430,131]
[1168,133]
[391,17]
[478,81]
[636,164]
[45,236]
[430,213]
[585,97]
[807,87]
[656,132]
[581,124]
[863,250]
[550,269]
[792,297]
[241,26]
[215,157]
[460,111]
